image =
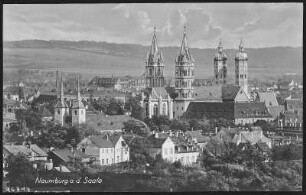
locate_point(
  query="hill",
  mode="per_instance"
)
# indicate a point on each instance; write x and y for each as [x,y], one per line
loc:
[101,58]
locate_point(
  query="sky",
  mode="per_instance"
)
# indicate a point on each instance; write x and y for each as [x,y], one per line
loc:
[259,24]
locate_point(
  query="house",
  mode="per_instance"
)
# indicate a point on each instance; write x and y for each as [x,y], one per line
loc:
[268,98]
[105,82]
[66,157]
[45,114]
[198,138]
[172,147]
[293,104]
[107,150]
[275,111]
[290,119]
[34,154]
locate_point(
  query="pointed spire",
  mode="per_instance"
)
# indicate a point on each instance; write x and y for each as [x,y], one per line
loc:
[241,47]
[184,46]
[220,47]
[78,88]
[62,92]
[154,45]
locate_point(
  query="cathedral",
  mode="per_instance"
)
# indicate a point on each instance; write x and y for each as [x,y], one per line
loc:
[156,97]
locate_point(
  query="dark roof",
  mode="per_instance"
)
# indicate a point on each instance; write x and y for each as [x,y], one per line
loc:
[229,92]
[263,146]
[101,142]
[198,135]
[45,112]
[15,149]
[210,110]
[293,104]
[67,155]
[208,93]
[251,110]
[152,142]
[226,134]
[276,110]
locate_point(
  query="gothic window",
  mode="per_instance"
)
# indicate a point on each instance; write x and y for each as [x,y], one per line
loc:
[176,72]
[158,72]
[76,112]
[155,110]
[237,76]
[216,76]
[150,72]
[164,109]
[189,94]
[221,76]
[245,76]
[58,111]
[147,110]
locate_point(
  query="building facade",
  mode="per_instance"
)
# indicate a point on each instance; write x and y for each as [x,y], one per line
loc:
[241,68]
[220,66]
[154,65]
[184,79]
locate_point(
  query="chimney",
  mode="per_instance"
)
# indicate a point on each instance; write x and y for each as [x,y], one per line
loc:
[170,133]
[178,148]
[107,137]
[216,130]
[51,149]
[177,134]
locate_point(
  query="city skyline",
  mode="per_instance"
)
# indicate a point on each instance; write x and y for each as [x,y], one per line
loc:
[259,24]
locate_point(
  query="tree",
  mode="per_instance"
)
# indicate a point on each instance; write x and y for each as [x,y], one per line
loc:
[137,111]
[137,127]
[20,171]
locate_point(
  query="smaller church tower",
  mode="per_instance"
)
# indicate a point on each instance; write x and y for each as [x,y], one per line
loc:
[57,82]
[78,111]
[220,66]
[184,78]
[61,109]
[154,65]
[241,68]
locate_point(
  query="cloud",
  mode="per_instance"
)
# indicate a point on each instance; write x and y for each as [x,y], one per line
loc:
[260,23]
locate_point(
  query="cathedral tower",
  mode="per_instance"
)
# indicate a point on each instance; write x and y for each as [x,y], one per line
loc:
[78,111]
[61,109]
[154,65]
[241,68]
[184,78]
[220,66]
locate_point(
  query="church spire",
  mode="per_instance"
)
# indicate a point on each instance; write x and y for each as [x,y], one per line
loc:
[62,91]
[241,47]
[184,46]
[220,47]
[154,45]
[79,93]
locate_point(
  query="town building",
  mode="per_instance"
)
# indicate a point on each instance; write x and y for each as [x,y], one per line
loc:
[106,149]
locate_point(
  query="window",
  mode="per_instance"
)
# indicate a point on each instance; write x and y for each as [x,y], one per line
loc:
[102,161]
[58,111]
[83,150]
[117,158]
[112,150]
[76,112]
[106,150]
[106,161]
[102,150]
[182,108]
[112,160]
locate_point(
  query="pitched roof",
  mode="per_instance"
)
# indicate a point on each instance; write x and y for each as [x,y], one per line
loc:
[198,135]
[210,110]
[101,141]
[263,146]
[157,92]
[46,113]
[293,104]
[268,97]
[251,110]
[15,149]
[276,110]
[152,142]
[66,154]
[229,92]
[208,93]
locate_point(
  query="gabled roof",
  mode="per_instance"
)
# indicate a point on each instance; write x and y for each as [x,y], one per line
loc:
[263,146]
[276,110]
[107,122]
[101,141]
[268,97]
[152,142]
[208,93]
[157,92]
[198,135]
[293,104]
[251,110]
[61,104]
[229,92]
[23,149]
[210,110]
[78,105]
[67,155]
[46,113]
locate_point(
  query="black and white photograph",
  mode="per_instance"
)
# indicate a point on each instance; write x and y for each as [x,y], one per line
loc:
[152,97]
